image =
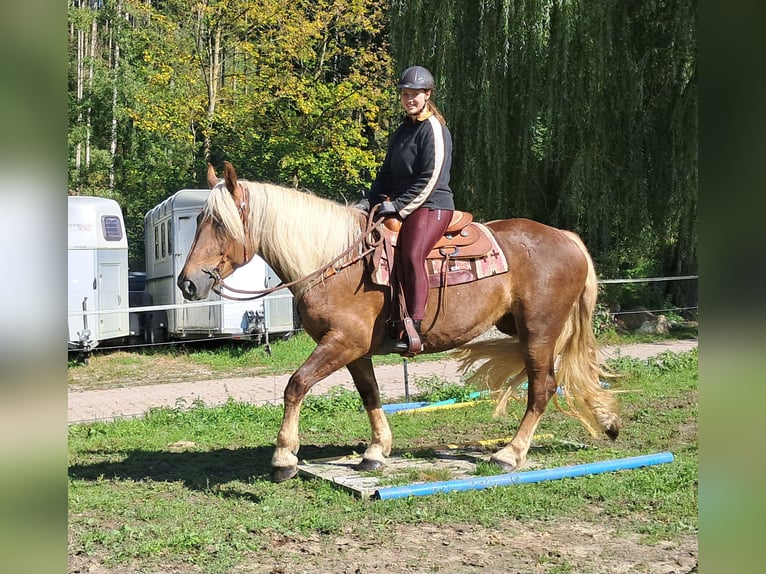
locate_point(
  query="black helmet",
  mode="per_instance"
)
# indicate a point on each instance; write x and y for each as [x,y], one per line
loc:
[416,78]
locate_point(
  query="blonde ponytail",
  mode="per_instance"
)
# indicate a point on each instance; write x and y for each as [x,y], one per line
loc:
[435,111]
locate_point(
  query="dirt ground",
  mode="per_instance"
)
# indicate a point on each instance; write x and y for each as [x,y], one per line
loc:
[513,547]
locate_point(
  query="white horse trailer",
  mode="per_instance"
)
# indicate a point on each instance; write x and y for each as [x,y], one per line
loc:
[97,273]
[169,230]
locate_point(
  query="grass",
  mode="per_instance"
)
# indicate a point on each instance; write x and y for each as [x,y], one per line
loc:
[190,487]
[202,360]
[612,337]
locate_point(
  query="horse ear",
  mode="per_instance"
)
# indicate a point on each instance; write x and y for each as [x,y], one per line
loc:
[230,176]
[212,178]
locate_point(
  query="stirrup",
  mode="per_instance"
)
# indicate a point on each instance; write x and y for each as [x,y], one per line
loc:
[412,344]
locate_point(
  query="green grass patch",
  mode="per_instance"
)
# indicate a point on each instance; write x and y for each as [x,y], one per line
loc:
[201,360]
[189,486]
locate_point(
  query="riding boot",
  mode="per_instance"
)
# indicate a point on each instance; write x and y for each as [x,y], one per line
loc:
[403,345]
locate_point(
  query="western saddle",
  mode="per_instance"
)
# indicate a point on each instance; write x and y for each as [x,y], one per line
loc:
[462,239]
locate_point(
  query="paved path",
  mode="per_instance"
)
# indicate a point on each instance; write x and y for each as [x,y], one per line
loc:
[128,402]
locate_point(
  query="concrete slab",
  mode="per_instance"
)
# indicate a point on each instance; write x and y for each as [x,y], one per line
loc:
[428,464]
[399,470]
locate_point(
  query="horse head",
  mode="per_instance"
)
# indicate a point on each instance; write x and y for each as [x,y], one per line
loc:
[221,239]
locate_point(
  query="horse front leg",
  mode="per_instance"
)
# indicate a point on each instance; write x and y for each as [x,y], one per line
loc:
[541,387]
[284,462]
[379,448]
[328,356]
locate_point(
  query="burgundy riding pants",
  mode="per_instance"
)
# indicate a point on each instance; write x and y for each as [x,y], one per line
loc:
[419,233]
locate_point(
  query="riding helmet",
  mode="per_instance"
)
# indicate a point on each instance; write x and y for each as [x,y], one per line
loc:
[416,78]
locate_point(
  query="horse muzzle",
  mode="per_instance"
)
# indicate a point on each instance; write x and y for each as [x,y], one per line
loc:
[188,288]
[196,288]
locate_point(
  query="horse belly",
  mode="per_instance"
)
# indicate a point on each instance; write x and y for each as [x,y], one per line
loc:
[460,313]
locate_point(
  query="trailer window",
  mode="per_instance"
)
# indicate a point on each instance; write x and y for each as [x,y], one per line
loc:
[163,242]
[156,242]
[111,228]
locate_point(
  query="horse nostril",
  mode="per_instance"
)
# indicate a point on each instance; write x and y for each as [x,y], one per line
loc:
[187,288]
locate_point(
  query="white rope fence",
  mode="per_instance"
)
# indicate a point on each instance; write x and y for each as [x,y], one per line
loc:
[649,280]
[222,302]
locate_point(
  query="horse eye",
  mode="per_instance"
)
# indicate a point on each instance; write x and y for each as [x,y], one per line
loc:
[217,225]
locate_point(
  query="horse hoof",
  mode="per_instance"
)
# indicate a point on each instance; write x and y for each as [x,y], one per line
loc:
[283,473]
[504,466]
[368,464]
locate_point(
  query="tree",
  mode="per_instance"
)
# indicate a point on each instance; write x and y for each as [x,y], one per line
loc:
[289,92]
[582,115]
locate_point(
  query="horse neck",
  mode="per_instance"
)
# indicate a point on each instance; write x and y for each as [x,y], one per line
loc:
[296,233]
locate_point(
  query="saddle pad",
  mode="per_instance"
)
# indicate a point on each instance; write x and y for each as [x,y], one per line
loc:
[455,271]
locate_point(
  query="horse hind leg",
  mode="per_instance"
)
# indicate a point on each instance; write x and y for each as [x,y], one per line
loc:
[541,387]
[501,360]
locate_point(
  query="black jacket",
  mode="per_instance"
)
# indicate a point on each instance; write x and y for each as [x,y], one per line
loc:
[416,170]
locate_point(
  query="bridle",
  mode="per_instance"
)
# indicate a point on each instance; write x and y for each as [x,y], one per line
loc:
[243,209]
[368,239]
[244,214]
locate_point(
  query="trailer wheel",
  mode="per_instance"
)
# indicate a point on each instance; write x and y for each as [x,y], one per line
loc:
[155,335]
[155,328]
[159,335]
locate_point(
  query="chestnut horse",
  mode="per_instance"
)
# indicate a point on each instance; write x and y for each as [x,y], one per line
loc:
[544,304]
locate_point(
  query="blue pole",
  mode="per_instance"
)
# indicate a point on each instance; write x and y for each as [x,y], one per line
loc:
[396,407]
[531,476]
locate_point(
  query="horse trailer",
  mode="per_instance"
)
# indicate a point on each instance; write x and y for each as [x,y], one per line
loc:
[169,230]
[97,273]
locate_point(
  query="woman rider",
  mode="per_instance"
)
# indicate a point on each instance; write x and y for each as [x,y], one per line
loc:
[413,185]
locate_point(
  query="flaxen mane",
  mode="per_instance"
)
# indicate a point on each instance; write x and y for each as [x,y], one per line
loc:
[302,231]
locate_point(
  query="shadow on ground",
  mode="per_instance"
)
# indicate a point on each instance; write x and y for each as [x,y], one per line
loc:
[197,470]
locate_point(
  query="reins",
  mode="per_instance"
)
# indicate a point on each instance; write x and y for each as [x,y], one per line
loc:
[331,268]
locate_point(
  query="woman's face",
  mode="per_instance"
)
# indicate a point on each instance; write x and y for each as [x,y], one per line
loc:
[413,101]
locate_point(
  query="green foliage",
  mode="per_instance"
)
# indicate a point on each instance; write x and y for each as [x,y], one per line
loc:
[486,468]
[658,365]
[435,389]
[582,115]
[576,114]
[603,322]
[336,400]
[295,93]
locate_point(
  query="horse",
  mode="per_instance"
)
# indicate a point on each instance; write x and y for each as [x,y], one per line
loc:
[542,306]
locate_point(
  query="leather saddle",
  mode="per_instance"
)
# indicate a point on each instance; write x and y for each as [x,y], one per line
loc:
[463,238]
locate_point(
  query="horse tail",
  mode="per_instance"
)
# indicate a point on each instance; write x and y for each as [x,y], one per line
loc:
[499,363]
[579,372]
[499,367]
